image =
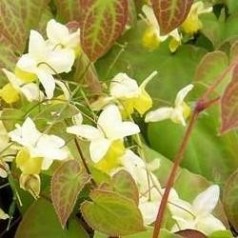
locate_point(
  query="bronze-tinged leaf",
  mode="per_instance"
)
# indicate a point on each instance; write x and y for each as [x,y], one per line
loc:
[229,104]
[170,14]
[68,10]
[66,184]
[191,234]
[101,23]
[230,199]
[112,214]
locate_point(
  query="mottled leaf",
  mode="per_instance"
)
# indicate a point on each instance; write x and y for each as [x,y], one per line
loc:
[68,10]
[124,184]
[112,214]
[66,184]
[191,234]
[230,199]
[170,14]
[211,65]
[101,23]
[40,221]
[229,104]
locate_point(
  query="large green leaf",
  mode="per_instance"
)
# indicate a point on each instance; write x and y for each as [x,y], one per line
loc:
[171,14]
[67,182]
[41,221]
[102,22]
[112,214]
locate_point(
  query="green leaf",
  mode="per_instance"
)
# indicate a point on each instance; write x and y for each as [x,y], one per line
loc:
[124,184]
[102,22]
[221,234]
[229,105]
[230,199]
[144,234]
[41,221]
[67,182]
[211,66]
[170,14]
[112,214]
[68,10]
[232,6]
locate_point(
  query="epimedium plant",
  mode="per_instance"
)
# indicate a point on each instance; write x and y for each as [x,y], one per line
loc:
[97,98]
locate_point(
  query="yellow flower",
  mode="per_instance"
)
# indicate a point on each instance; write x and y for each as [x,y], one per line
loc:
[192,24]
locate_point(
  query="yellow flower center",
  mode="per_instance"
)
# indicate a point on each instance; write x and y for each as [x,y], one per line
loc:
[9,94]
[27,164]
[150,39]
[26,77]
[112,158]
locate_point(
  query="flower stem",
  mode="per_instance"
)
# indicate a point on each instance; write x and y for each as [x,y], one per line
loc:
[172,176]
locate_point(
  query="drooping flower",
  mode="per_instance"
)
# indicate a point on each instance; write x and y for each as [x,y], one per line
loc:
[131,96]
[60,36]
[198,215]
[37,146]
[192,23]
[177,114]
[44,62]
[30,90]
[110,129]
[152,36]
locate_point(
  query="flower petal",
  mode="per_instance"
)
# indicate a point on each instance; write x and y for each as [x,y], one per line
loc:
[27,63]
[182,94]
[159,114]
[98,148]
[32,92]
[122,86]
[48,82]
[88,132]
[206,201]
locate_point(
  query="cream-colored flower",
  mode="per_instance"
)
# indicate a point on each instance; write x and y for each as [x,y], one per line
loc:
[177,114]
[152,37]
[44,62]
[192,23]
[30,90]
[39,145]
[198,215]
[110,128]
[60,36]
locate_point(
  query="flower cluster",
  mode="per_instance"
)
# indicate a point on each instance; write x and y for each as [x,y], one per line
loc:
[112,137]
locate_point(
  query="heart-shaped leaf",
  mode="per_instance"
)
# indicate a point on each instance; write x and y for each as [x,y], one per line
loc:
[66,184]
[101,23]
[124,184]
[229,104]
[112,214]
[170,14]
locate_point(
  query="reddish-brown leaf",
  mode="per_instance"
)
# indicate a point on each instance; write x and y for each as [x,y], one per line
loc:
[170,14]
[101,23]
[229,104]
[66,184]
[191,234]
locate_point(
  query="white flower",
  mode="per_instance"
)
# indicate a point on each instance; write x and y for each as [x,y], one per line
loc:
[148,185]
[48,147]
[3,215]
[45,62]
[110,128]
[177,114]
[59,35]
[198,215]
[30,90]
[154,33]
